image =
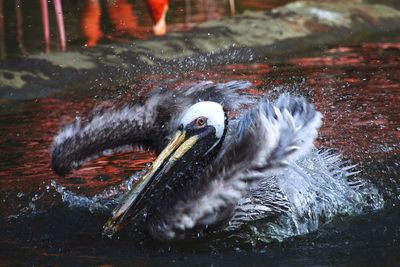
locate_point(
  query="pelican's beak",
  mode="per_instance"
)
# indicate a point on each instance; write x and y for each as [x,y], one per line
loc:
[132,202]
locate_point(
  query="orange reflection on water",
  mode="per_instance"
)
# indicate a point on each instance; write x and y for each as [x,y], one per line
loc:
[358,91]
[359,101]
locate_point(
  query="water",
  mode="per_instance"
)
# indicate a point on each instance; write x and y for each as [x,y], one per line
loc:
[46,219]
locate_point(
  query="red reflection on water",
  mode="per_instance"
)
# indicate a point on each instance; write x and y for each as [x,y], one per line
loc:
[261,4]
[344,58]
[358,91]
[358,98]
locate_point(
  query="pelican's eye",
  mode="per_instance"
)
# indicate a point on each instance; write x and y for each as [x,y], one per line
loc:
[200,121]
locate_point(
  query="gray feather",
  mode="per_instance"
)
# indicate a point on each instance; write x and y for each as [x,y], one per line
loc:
[145,124]
[262,139]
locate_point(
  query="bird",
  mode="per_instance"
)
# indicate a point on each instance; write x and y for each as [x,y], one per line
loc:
[158,10]
[60,24]
[123,19]
[226,158]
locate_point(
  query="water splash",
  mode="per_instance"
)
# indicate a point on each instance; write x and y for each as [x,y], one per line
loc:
[319,187]
[101,202]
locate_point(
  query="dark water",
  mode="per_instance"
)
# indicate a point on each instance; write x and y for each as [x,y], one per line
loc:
[356,88]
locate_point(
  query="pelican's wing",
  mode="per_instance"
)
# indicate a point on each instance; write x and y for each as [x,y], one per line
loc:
[138,124]
[113,128]
[264,201]
[262,139]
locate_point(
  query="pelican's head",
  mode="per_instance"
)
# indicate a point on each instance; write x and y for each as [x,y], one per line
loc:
[200,129]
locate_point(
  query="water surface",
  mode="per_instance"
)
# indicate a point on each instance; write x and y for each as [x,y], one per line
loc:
[356,88]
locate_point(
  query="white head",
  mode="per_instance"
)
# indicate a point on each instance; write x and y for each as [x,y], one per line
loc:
[198,123]
[212,112]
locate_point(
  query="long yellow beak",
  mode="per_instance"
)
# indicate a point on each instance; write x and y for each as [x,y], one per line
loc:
[178,146]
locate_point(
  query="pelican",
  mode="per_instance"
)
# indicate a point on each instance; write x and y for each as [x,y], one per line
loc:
[225,159]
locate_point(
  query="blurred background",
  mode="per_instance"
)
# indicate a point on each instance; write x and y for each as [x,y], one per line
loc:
[91,22]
